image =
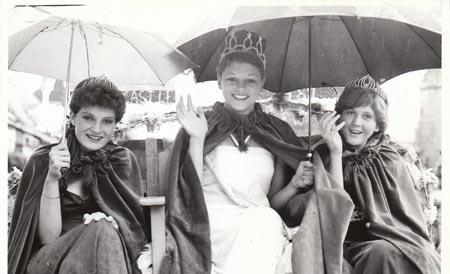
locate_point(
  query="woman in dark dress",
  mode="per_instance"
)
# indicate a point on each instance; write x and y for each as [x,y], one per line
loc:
[87,219]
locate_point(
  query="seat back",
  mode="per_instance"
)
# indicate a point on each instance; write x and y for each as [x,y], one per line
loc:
[153,157]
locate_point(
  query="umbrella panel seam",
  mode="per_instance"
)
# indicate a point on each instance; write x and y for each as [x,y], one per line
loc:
[132,45]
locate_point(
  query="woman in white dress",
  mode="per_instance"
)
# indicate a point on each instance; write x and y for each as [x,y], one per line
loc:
[238,153]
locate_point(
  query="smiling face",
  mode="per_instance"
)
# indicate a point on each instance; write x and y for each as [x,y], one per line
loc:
[240,83]
[94,127]
[360,124]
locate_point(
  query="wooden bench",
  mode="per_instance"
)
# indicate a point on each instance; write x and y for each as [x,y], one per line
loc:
[153,156]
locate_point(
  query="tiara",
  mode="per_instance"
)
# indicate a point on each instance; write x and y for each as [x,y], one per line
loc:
[369,83]
[245,41]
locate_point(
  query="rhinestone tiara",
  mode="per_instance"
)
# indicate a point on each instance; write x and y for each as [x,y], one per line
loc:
[369,83]
[245,41]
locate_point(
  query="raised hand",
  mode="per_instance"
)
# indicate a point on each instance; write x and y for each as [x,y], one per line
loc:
[304,176]
[193,122]
[59,157]
[330,131]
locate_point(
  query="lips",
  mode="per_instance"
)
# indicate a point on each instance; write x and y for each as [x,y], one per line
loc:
[94,138]
[354,131]
[240,97]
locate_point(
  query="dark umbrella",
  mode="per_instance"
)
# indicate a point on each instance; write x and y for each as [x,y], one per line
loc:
[319,49]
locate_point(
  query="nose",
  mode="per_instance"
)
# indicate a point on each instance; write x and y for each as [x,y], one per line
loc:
[357,120]
[97,127]
[241,86]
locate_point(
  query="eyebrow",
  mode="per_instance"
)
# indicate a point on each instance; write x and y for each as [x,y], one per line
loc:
[107,117]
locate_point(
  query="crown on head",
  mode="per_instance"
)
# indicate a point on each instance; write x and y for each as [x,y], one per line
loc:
[245,41]
[369,83]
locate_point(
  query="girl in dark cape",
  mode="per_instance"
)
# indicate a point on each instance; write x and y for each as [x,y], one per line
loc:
[86,219]
[387,232]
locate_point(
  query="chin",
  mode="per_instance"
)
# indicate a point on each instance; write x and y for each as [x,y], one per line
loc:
[354,143]
[92,147]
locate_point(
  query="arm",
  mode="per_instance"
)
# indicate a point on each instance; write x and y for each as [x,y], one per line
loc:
[196,153]
[279,194]
[196,126]
[50,222]
[330,132]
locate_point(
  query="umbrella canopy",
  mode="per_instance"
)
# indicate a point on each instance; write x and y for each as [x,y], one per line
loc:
[325,46]
[73,50]
[316,48]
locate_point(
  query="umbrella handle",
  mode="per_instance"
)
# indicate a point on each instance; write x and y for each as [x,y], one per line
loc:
[309,156]
[63,170]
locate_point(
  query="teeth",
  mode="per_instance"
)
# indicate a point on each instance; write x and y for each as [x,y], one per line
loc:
[95,138]
[240,97]
[355,131]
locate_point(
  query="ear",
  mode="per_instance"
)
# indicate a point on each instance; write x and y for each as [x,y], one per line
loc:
[219,82]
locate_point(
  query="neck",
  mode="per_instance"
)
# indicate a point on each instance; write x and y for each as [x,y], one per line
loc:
[242,113]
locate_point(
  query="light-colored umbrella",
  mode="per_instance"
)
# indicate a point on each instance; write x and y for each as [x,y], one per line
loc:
[325,46]
[72,50]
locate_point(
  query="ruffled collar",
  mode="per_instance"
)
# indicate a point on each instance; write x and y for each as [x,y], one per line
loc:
[85,164]
[241,126]
[372,147]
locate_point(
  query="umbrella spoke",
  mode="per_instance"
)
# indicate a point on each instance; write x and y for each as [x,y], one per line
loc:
[83,34]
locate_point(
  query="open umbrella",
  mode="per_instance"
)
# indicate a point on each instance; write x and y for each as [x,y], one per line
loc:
[72,50]
[325,46]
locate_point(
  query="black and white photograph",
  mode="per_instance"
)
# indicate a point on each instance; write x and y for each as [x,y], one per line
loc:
[208,137]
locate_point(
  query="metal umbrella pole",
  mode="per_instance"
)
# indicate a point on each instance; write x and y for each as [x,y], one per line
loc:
[67,97]
[309,155]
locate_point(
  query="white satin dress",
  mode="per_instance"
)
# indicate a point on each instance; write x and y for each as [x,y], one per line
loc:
[247,235]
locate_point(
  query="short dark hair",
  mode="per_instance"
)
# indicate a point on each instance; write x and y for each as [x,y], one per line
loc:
[240,57]
[353,97]
[98,91]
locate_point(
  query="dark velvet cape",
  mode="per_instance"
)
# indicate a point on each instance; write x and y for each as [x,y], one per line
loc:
[384,192]
[116,190]
[189,247]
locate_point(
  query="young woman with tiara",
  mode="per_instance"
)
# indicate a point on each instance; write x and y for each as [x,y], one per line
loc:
[225,167]
[387,232]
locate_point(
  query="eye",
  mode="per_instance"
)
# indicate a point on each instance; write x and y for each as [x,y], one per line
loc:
[88,117]
[367,116]
[230,79]
[251,81]
[108,121]
[348,112]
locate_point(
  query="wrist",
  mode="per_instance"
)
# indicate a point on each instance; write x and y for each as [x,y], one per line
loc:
[197,139]
[294,182]
[52,178]
[336,153]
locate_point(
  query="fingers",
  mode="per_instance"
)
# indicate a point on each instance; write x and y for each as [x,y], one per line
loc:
[180,107]
[304,165]
[340,126]
[59,157]
[97,216]
[190,106]
[201,113]
[112,221]
[62,146]
[327,124]
[87,218]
